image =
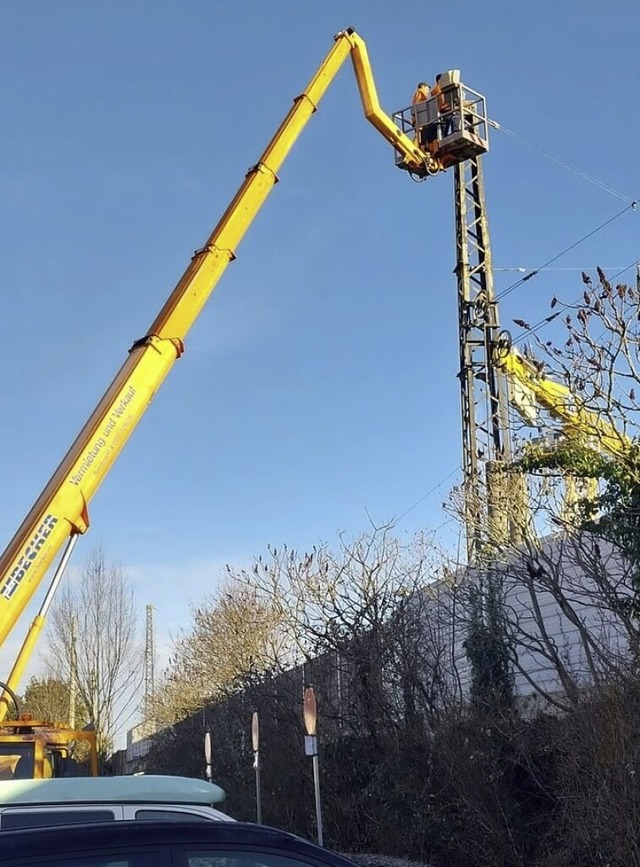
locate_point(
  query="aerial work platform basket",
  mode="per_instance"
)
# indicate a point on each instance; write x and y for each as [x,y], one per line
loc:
[451,126]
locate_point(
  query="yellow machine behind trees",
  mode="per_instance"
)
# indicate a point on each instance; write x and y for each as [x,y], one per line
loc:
[531,390]
[61,512]
[38,749]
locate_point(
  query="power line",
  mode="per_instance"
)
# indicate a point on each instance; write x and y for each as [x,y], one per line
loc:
[581,268]
[428,494]
[607,188]
[631,205]
[530,274]
[548,319]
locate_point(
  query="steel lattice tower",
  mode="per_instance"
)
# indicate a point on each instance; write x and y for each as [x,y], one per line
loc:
[149,665]
[486,438]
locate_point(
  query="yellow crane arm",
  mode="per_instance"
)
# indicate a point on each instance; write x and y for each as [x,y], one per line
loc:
[561,403]
[61,509]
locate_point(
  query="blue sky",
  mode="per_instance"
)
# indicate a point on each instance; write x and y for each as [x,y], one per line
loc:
[319,382]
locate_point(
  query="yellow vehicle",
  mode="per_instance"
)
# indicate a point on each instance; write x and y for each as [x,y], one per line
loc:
[61,512]
[38,749]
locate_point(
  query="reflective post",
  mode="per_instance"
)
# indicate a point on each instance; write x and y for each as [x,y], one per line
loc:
[255,740]
[207,755]
[311,749]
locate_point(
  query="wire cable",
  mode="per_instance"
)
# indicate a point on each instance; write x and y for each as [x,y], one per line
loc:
[530,274]
[543,322]
[428,494]
[607,188]
[631,204]
[605,268]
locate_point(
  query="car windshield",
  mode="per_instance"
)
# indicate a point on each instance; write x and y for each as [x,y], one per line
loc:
[16,761]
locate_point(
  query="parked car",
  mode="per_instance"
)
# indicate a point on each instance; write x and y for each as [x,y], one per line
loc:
[163,844]
[74,800]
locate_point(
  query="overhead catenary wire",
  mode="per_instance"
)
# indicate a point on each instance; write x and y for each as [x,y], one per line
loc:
[517,283]
[552,316]
[631,205]
[530,273]
[431,491]
[607,188]
[522,270]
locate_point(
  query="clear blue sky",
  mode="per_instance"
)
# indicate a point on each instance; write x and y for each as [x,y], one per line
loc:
[320,381]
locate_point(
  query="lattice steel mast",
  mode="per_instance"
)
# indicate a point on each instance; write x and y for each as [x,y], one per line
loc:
[486,440]
[452,126]
[149,666]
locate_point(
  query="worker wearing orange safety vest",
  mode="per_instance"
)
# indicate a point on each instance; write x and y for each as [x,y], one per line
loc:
[449,122]
[421,94]
[443,105]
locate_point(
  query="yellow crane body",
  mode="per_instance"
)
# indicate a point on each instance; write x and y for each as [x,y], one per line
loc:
[61,512]
[38,749]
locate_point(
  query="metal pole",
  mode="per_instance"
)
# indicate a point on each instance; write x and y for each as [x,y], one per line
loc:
[255,742]
[316,787]
[36,627]
[207,755]
[256,764]
[57,578]
[486,442]
[73,679]
[311,749]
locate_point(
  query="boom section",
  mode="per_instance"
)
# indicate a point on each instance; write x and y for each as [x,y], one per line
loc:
[560,402]
[62,508]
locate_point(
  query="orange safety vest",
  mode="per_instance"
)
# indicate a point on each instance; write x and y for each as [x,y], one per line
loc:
[420,96]
[443,105]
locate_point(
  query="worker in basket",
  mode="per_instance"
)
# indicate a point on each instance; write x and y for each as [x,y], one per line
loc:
[449,119]
[426,133]
[421,94]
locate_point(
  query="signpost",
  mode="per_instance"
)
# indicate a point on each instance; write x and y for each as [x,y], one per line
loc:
[207,754]
[311,749]
[255,740]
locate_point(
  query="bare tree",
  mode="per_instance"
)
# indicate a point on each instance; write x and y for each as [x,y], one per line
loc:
[599,361]
[235,637]
[565,607]
[573,594]
[361,613]
[98,607]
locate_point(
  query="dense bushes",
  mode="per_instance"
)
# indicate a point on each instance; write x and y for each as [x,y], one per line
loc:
[478,789]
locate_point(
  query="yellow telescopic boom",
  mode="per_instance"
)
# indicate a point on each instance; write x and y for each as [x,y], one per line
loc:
[61,510]
[561,403]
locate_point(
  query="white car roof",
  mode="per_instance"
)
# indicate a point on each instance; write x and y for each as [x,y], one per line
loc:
[120,790]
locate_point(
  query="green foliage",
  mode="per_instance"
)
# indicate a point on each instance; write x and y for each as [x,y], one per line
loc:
[487,647]
[48,698]
[614,514]
[570,455]
[619,523]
